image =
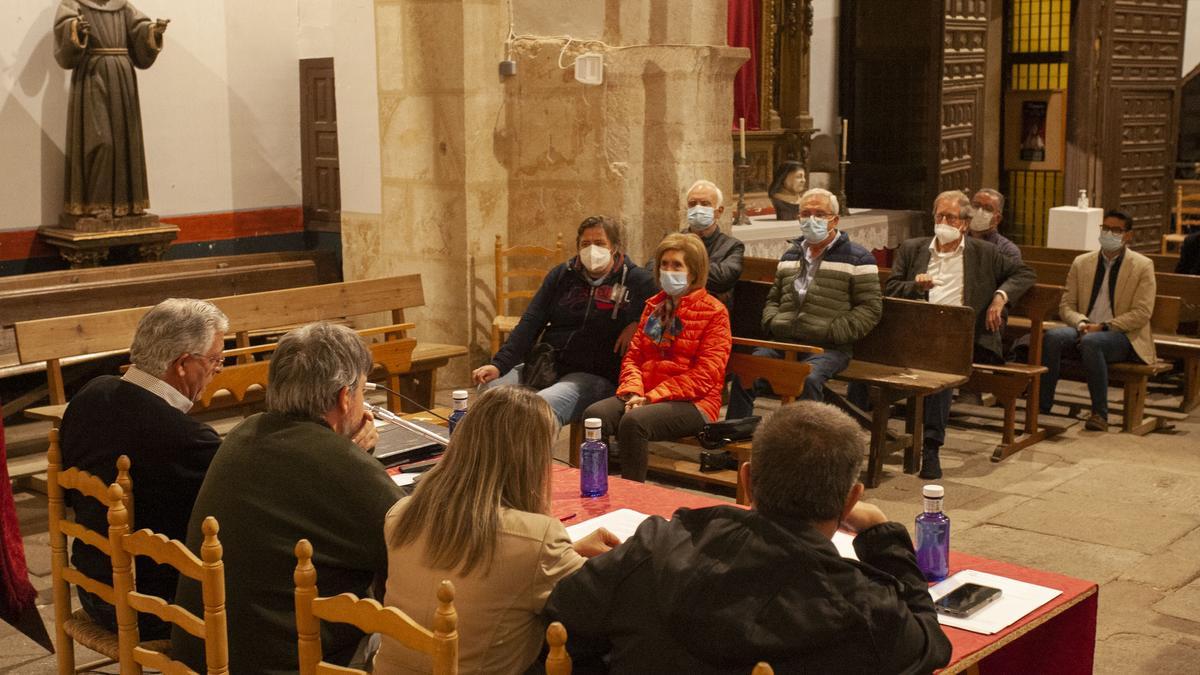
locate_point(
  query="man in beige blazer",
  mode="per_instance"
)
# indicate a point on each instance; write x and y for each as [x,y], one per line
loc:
[1107,306]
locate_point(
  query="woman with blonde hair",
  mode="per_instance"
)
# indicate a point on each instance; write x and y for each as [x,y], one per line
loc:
[673,373]
[481,518]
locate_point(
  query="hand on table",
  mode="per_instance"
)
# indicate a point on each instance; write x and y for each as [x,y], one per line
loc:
[600,541]
[485,374]
[864,516]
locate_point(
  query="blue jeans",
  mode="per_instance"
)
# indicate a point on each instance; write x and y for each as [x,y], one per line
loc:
[1095,350]
[824,366]
[568,397]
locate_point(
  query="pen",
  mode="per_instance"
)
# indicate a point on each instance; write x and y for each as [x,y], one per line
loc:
[567,517]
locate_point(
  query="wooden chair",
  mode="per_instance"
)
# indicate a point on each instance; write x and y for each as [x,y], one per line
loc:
[558,661]
[71,627]
[504,323]
[441,644]
[209,570]
[1187,216]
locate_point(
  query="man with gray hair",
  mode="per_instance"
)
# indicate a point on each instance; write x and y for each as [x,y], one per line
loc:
[176,352]
[705,204]
[826,294]
[988,210]
[300,470]
[716,590]
[952,269]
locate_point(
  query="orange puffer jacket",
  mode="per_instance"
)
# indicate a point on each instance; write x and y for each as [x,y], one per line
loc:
[691,367]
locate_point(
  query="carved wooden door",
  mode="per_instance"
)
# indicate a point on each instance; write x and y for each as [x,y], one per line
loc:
[964,61]
[320,173]
[1128,55]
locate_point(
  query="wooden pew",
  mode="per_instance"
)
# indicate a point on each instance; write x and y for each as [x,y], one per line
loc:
[898,360]
[52,340]
[1186,287]
[1065,256]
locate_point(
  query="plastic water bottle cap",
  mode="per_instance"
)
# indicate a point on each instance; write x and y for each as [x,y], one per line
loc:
[459,394]
[933,491]
[591,423]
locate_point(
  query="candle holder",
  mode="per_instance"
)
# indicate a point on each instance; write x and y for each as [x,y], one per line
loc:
[740,217]
[843,208]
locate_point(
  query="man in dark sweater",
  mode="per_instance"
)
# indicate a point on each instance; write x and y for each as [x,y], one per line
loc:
[705,204]
[716,590]
[301,470]
[175,353]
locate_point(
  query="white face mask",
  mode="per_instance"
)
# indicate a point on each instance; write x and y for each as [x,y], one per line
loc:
[595,258]
[982,220]
[946,234]
[674,283]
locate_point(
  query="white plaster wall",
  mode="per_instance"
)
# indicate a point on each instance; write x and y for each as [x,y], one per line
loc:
[355,69]
[314,19]
[823,68]
[220,109]
[1191,37]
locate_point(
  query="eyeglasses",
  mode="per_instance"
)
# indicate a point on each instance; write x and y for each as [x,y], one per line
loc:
[1113,230]
[213,362]
[943,218]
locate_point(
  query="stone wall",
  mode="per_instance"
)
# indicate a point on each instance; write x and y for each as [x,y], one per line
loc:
[467,155]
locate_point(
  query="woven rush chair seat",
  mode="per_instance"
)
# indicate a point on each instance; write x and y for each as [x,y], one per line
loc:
[99,639]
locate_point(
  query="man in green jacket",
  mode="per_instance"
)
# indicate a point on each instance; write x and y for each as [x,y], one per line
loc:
[298,471]
[826,294]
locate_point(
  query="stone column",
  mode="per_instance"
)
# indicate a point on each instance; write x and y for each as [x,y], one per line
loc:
[467,155]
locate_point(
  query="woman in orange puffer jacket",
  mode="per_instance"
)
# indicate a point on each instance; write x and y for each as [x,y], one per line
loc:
[673,373]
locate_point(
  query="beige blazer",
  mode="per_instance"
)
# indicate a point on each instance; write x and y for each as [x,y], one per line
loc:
[1132,306]
[500,627]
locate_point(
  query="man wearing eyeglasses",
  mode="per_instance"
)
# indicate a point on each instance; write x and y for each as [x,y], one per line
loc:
[1107,304]
[176,351]
[987,211]
[953,269]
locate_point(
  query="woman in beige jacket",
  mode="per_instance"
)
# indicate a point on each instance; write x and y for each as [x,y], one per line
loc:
[481,518]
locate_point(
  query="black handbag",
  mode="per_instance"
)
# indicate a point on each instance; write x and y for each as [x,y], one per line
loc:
[715,435]
[541,367]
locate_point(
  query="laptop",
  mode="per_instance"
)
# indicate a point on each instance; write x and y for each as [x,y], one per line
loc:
[398,445]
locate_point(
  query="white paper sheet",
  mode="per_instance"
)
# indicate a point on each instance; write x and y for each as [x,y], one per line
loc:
[622,522]
[403,479]
[1017,599]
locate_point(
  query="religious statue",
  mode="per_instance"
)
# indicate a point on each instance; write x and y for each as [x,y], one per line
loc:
[102,41]
[789,183]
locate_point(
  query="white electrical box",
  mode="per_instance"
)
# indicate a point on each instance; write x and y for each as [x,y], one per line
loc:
[589,68]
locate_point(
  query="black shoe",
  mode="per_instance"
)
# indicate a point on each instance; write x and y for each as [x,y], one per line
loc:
[931,467]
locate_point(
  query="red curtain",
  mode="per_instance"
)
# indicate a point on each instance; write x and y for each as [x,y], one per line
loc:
[17,595]
[744,16]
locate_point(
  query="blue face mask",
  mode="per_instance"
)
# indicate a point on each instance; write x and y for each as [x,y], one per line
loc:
[1110,242]
[814,229]
[674,283]
[700,218]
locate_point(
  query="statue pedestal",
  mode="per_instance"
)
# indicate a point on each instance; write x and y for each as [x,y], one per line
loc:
[89,248]
[140,221]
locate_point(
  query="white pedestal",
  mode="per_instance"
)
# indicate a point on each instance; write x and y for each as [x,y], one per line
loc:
[1074,228]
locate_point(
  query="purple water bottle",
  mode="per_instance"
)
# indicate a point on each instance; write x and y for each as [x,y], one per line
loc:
[460,407]
[593,461]
[933,536]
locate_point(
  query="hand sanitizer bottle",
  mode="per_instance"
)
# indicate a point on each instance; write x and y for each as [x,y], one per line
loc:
[593,461]
[933,536]
[1083,199]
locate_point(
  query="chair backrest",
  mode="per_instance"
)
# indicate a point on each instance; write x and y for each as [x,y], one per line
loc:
[441,643]
[505,271]
[237,380]
[1187,209]
[58,481]
[558,661]
[209,570]
[916,334]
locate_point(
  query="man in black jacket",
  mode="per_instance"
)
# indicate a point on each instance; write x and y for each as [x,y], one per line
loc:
[175,353]
[716,590]
[705,204]
[585,311]
[1189,255]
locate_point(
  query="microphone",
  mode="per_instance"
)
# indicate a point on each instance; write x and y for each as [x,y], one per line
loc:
[389,416]
[371,386]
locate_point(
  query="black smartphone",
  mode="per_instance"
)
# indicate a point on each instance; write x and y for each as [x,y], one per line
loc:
[966,600]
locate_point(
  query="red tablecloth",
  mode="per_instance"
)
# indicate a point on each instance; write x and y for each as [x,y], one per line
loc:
[1058,637]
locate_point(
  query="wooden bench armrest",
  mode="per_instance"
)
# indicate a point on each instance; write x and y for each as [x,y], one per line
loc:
[779,346]
[394,328]
[1009,368]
